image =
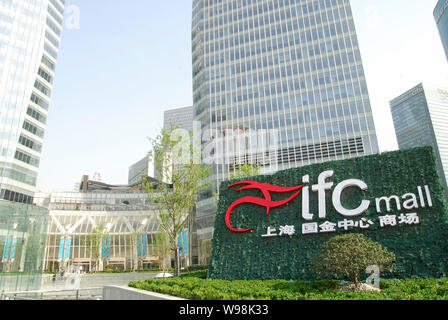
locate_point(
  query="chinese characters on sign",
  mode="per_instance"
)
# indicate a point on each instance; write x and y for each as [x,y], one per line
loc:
[346,225]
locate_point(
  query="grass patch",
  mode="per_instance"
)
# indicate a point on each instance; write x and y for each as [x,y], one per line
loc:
[195,286]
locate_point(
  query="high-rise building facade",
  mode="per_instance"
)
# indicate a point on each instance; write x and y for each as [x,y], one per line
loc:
[292,67]
[30,33]
[441,16]
[138,170]
[420,118]
[180,117]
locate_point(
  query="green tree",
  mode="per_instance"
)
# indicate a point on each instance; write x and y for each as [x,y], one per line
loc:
[182,177]
[350,254]
[162,249]
[245,170]
[94,244]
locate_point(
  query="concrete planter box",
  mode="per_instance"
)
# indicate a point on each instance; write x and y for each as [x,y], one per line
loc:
[126,293]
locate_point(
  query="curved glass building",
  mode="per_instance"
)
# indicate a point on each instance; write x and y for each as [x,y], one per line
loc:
[441,16]
[287,74]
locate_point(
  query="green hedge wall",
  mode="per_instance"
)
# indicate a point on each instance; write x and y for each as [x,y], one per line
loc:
[421,250]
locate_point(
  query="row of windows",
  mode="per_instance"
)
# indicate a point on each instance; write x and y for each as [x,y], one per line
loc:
[53,27]
[296,135]
[42,88]
[323,77]
[253,84]
[45,75]
[39,101]
[51,51]
[58,6]
[315,6]
[33,129]
[36,115]
[275,26]
[247,8]
[47,62]
[251,53]
[54,15]
[26,158]
[29,179]
[296,52]
[353,146]
[320,94]
[302,117]
[36,146]
[272,16]
[52,39]
[15,196]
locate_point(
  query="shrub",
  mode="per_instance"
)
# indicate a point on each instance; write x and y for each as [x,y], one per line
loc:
[350,254]
[191,287]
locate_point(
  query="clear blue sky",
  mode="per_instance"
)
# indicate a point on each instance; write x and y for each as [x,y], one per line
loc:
[131,60]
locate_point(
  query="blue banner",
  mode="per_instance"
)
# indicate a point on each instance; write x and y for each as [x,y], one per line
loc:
[142,245]
[185,242]
[12,253]
[106,243]
[109,244]
[145,243]
[68,247]
[182,242]
[61,248]
[6,248]
[139,246]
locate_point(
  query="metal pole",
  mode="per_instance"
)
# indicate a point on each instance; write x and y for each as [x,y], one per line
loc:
[63,255]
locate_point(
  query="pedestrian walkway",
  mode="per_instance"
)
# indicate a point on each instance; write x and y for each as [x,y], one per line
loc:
[78,286]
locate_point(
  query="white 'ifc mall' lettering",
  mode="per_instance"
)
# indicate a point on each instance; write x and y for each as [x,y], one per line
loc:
[411,200]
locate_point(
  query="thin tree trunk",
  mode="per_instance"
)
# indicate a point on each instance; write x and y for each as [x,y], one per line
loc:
[355,279]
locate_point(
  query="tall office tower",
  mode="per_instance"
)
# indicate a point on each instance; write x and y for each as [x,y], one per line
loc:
[420,118]
[289,67]
[30,32]
[441,16]
[180,117]
[139,170]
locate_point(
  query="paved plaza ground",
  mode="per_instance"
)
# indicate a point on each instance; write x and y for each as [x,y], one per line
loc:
[66,288]
[92,280]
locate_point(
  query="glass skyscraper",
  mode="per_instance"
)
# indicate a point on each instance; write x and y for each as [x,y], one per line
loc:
[441,16]
[420,119]
[292,67]
[30,32]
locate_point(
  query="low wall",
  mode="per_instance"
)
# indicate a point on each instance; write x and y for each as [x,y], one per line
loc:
[126,293]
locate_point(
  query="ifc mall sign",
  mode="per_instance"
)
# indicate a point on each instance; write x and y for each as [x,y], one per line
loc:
[271,227]
[408,202]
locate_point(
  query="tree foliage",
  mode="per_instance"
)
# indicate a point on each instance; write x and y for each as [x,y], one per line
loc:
[162,249]
[94,243]
[245,170]
[182,176]
[349,255]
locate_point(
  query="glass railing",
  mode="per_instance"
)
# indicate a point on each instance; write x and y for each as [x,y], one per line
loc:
[22,245]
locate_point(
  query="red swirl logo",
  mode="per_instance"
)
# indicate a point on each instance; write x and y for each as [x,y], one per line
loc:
[267,202]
